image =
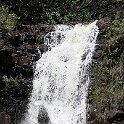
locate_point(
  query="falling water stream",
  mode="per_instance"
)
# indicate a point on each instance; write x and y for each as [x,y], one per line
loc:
[61,76]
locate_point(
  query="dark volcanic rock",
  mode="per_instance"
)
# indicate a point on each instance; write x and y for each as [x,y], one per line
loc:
[97,54]
[18,60]
[14,98]
[5,60]
[104,23]
[18,54]
[15,41]
[4,118]
[93,122]
[43,48]
[43,117]
[115,117]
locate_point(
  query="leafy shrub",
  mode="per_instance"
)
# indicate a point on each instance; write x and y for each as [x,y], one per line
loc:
[50,11]
[7,20]
[117,30]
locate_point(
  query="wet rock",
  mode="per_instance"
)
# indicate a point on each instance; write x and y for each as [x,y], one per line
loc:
[43,117]
[104,23]
[97,54]
[115,117]
[24,60]
[30,49]
[93,122]
[97,47]
[43,48]
[4,118]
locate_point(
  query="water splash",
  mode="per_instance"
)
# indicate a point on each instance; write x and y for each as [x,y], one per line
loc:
[62,76]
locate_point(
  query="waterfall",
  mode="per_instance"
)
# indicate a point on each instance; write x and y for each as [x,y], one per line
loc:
[61,76]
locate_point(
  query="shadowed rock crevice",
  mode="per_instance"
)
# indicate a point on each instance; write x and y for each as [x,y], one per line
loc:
[43,117]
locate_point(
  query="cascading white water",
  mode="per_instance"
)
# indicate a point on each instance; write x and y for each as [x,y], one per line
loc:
[62,75]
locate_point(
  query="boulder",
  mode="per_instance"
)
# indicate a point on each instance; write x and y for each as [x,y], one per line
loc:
[104,23]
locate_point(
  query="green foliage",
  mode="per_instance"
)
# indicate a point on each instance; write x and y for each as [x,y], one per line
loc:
[64,11]
[7,20]
[117,30]
[50,11]
[39,38]
[109,81]
[109,71]
[10,80]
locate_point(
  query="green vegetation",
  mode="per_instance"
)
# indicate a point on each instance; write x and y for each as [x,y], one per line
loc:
[39,38]
[8,83]
[56,11]
[18,19]
[109,72]
[10,80]
[50,11]
[117,30]
[7,20]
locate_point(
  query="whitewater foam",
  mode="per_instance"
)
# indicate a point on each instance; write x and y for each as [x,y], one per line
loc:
[61,76]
